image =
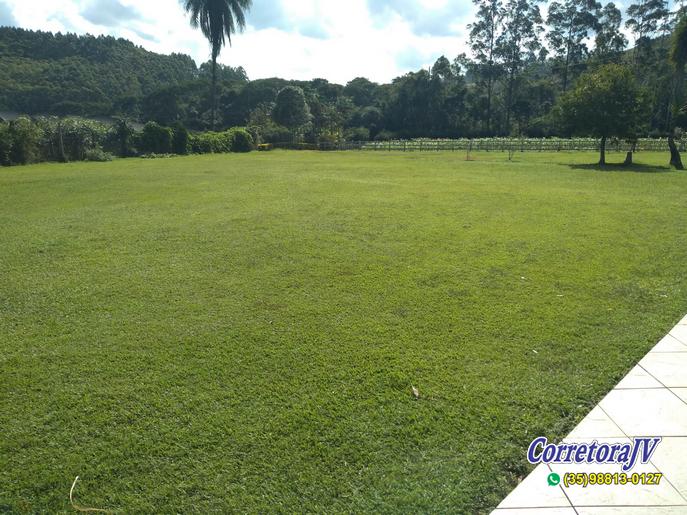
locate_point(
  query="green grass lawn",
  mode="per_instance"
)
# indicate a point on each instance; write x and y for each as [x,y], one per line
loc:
[241,332]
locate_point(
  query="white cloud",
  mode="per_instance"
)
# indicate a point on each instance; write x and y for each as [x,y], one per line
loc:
[293,39]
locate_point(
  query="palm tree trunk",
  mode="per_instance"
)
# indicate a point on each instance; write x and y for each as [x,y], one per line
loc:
[213,94]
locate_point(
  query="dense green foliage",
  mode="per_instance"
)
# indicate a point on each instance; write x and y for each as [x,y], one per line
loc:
[211,142]
[180,139]
[22,141]
[69,74]
[291,110]
[523,60]
[156,139]
[606,103]
[232,140]
[241,140]
[25,141]
[229,333]
[44,73]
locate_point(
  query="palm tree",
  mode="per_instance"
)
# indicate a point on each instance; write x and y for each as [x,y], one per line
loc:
[678,57]
[218,21]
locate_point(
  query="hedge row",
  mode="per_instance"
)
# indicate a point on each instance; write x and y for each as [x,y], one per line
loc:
[26,140]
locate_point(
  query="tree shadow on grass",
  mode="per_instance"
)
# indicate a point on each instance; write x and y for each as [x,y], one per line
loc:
[636,168]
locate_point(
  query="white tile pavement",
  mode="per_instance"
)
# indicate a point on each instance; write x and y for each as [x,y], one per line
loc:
[650,401]
[680,333]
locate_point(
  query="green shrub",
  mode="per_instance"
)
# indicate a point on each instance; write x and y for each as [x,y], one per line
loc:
[5,144]
[329,136]
[97,154]
[276,134]
[358,134]
[256,134]
[156,139]
[241,140]
[156,156]
[180,139]
[211,142]
[26,137]
[199,144]
[69,139]
[122,138]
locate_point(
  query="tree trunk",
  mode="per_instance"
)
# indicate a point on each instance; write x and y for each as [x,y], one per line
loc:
[489,94]
[213,94]
[675,159]
[676,102]
[602,150]
[630,154]
[509,100]
[63,155]
[490,81]
[567,61]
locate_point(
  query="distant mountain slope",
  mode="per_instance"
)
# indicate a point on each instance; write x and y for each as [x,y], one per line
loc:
[43,72]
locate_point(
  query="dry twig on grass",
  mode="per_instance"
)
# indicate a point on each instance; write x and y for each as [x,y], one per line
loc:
[81,508]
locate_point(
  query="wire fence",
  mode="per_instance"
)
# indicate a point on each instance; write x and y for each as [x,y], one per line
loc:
[491,145]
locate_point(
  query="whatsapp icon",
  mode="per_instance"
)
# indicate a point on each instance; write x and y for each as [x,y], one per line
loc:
[554,479]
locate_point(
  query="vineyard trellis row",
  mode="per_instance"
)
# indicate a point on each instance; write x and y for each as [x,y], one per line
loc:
[491,145]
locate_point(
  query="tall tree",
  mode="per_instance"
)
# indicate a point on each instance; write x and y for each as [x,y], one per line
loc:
[610,41]
[646,19]
[442,69]
[518,44]
[363,92]
[570,23]
[410,109]
[678,57]
[448,99]
[484,34]
[218,20]
[605,103]
[292,111]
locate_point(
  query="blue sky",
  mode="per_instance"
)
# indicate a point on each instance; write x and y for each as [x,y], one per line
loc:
[294,39]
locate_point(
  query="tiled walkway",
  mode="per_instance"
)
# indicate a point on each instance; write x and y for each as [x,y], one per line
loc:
[650,401]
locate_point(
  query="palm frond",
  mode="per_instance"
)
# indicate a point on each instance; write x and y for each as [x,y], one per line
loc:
[218,20]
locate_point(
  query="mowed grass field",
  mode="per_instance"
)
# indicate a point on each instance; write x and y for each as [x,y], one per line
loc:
[242,332]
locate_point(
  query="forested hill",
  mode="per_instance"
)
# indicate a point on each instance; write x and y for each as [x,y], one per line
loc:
[516,94]
[70,74]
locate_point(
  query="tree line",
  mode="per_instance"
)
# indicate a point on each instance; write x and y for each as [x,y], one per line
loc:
[522,62]
[26,140]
